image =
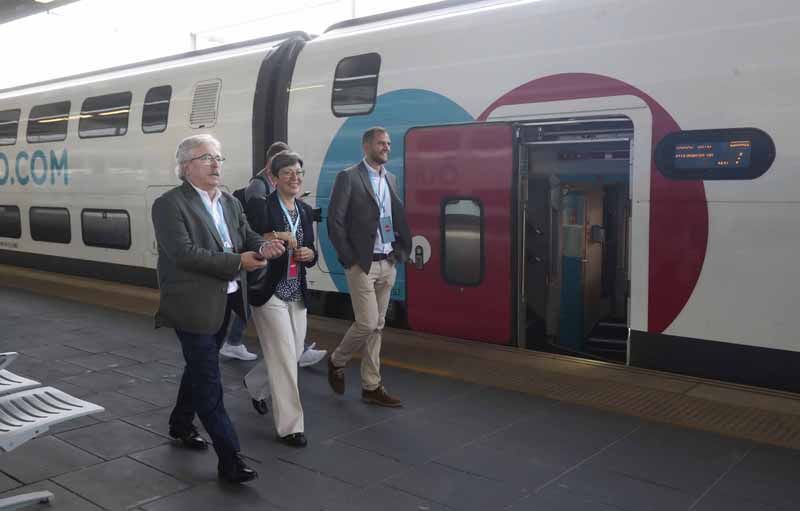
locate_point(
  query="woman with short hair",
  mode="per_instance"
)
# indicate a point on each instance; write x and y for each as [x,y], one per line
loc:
[280,293]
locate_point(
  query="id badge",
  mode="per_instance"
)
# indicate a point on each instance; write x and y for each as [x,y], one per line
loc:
[292,270]
[387,229]
[227,247]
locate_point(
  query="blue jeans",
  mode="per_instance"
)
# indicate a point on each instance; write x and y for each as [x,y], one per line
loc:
[238,326]
[201,392]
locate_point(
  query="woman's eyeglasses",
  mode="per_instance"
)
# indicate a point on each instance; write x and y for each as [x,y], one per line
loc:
[292,173]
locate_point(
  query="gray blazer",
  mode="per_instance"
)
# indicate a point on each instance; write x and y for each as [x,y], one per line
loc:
[354,215]
[193,270]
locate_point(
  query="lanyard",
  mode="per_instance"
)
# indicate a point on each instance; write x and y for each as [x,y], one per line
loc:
[380,197]
[219,223]
[292,225]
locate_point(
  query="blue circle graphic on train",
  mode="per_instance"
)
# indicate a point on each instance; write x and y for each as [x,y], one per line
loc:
[397,111]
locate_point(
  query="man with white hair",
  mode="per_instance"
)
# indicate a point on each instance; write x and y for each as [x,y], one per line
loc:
[205,249]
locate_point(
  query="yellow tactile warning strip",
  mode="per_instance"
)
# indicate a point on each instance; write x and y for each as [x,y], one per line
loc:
[745,412]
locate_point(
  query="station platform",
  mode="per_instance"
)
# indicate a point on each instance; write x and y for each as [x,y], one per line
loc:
[483,427]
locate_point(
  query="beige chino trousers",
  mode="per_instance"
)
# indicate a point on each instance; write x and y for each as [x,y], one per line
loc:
[370,293]
[281,328]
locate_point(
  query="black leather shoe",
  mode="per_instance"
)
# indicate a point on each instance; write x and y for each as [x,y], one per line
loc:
[191,439]
[295,440]
[260,405]
[237,472]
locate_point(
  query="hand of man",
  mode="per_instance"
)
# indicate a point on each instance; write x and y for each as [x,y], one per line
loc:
[252,261]
[272,249]
[303,254]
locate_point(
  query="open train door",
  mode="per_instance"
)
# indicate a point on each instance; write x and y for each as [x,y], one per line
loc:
[458,192]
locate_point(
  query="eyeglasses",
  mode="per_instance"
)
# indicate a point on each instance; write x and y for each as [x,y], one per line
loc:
[292,173]
[207,159]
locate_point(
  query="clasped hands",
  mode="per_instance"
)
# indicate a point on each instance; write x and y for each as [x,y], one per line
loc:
[254,260]
[300,254]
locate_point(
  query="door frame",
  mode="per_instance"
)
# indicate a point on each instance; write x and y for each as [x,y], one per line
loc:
[634,108]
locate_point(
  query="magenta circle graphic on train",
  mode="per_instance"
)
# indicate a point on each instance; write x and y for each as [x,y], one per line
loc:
[678,235]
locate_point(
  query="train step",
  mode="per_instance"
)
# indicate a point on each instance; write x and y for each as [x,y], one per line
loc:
[610,330]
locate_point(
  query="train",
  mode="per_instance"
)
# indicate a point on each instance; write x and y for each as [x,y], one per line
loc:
[613,179]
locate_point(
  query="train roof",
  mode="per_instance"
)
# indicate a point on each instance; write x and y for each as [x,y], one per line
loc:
[233,48]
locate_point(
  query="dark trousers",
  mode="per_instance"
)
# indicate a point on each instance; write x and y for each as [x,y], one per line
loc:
[201,389]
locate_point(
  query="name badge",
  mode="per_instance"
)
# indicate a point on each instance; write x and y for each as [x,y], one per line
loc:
[227,247]
[293,269]
[387,229]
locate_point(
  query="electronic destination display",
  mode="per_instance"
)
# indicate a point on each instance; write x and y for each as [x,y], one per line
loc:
[707,154]
[728,153]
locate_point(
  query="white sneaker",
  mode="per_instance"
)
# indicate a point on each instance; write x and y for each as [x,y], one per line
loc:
[311,356]
[239,352]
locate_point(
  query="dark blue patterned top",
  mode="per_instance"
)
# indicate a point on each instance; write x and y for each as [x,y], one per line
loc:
[289,290]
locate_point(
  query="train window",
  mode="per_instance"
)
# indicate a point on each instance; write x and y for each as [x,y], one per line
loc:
[355,85]
[50,224]
[48,123]
[156,109]
[107,228]
[105,116]
[9,124]
[204,104]
[10,225]
[736,153]
[462,241]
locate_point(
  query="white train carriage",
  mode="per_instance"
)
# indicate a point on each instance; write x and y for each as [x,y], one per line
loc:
[573,170]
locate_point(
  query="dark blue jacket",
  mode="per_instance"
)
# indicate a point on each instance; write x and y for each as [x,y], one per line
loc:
[265,219]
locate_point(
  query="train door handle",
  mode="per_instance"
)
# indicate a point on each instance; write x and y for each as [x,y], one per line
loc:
[419,262]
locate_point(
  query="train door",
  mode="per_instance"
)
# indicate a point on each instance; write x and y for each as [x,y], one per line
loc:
[458,194]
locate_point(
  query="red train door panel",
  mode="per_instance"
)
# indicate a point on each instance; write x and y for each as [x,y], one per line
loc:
[458,201]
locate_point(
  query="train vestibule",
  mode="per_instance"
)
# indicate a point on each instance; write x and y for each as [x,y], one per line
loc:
[575,225]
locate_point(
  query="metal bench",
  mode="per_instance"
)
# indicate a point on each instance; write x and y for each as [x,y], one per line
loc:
[26,414]
[10,382]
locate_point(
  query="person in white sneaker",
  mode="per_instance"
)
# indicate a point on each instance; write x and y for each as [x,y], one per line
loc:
[234,346]
[311,356]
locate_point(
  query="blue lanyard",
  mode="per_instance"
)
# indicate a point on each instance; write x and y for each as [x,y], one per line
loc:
[292,225]
[380,197]
[222,227]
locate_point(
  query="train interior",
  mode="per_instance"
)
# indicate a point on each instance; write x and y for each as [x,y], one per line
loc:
[575,249]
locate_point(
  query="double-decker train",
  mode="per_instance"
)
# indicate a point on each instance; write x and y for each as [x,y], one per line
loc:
[602,177]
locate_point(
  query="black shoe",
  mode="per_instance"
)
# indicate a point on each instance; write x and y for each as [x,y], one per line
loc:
[260,405]
[191,439]
[238,472]
[294,440]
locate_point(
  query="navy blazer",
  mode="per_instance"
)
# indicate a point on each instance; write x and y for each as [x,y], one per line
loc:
[268,218]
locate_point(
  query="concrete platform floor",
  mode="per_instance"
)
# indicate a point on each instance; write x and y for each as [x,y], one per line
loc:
[456,445]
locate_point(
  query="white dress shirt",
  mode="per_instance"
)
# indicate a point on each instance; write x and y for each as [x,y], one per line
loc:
[380,185]
[214,207]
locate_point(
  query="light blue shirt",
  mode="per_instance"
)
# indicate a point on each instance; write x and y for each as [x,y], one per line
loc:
[380,185]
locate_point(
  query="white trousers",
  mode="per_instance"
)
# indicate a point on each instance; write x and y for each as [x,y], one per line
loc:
[281,328]
[370,294]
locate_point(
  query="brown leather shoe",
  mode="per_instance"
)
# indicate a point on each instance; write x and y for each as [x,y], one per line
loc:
[380,397]
[335,377]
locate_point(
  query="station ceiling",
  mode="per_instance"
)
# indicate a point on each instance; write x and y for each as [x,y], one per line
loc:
[15,9]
